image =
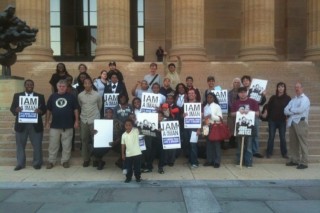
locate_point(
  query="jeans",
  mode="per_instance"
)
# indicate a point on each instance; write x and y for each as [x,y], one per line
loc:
[213,151]
[273,126]
[255,136]
[247,150]
[193,147]
[133,165]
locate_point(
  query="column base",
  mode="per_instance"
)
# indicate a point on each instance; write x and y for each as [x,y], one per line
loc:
[190,53]
[312,54]
[113,54]
[258,54]
[34,53]
[9,86]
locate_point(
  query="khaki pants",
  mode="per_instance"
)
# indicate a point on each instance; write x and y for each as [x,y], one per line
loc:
[55,136]
[298,142]
[86,135]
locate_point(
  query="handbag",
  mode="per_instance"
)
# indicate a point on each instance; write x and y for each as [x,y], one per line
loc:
[219,131]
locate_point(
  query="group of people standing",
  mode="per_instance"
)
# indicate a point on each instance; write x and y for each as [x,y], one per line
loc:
[77,103]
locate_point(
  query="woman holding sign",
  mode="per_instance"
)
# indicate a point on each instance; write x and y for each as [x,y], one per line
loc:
[212,114]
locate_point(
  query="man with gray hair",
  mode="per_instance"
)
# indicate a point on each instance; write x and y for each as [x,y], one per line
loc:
[63,108]
[298,112]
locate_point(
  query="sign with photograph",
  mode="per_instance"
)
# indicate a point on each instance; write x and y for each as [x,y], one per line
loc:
[244,124]
[256,89]
[150,102]
[170,134]
[103,136]
[142,143]
[28,104]
[147,123]
[193,117]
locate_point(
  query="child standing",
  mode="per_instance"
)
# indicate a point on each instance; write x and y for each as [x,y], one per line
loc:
[131,152]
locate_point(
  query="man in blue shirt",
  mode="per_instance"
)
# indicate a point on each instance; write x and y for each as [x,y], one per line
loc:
[298,111]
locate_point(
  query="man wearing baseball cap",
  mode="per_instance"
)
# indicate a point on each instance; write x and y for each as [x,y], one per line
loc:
[113,70]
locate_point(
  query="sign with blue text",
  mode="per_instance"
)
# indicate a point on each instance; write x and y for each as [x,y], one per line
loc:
[193,115]
[149,102]
[170,135]
[28,105]
[222,96]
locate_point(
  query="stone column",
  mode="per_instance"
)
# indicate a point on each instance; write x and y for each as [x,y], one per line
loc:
[257,36]
[37,15]
[313,31]
[113,40]
[188,30]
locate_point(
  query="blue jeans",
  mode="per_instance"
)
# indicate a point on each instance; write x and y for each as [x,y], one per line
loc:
[247,150]
[255,136]
[193,147]
[273,126]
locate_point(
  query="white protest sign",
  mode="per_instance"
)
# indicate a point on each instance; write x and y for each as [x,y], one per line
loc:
[149,102]
[244,124]
[170,134]
[104,133]
[28,104]
[142,143]
[110,100]
[256,88]
[222,96]
[147,123]
[193,118]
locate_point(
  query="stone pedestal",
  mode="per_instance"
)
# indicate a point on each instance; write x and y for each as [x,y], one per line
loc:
[188,30]
[313,31]
[257,37]
[8,87]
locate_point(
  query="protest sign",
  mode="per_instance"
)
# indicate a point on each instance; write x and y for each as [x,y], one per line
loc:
[193,117]
[222,96]
[142,143]
[28,105]
[110,100]
[103,136]
[149,102]
[148,123]
[244,124]
[256,89]
[170,134]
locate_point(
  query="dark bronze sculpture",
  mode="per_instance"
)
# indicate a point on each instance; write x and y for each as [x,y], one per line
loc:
[15,35]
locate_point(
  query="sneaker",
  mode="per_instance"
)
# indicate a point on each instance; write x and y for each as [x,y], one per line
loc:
[291,164]
[302,166]
[249,166]
[65,165]
[193,166]
[160,171]
[86,163]
[127,180]
[49,165]
[124,171]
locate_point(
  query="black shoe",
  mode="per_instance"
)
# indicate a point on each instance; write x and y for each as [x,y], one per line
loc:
[208,164]
[66,165]
[216,165]
[285,156]
[160,171]
[268,156]
[171,164]
[302,166]
[101,165]
[291,164]
[127,180]
[95,163]
[257,155]
[37,167]
[86,163]
[17,168]
[49,165]
[138,180]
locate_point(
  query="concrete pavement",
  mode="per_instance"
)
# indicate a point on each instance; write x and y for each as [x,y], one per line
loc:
[263,188]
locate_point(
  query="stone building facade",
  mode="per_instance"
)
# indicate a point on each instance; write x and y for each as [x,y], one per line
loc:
[197,30]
